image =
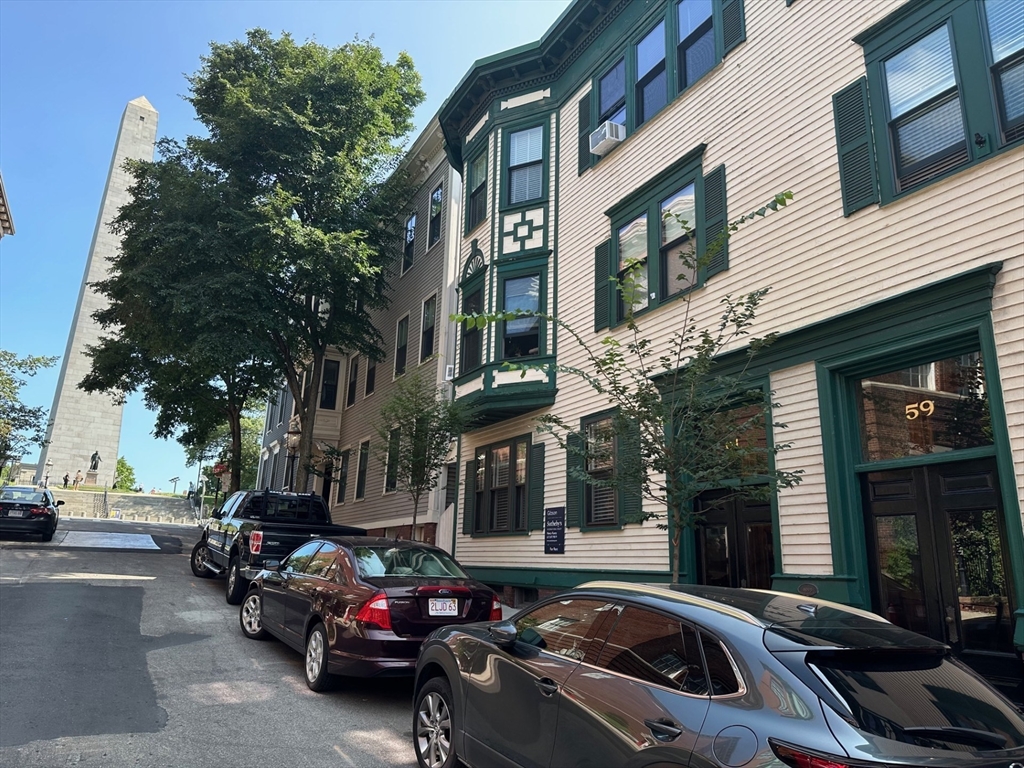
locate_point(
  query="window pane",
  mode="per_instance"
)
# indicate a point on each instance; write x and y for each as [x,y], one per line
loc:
[322,561]
[523,294]
[654,649]
[364,457]
[499,509]
[921,72]
[650,51]
[932,132]
[297,561]
[907,413]
[478,170]
[655,95]
[1005,27]
[499,466]
[403,332]
[428,312]
[985,610]
[1011,83]
[329,386]
[721,675]
[677,210]
[565,627]
[613,87]
[899,564]
[526,146]
[526,183]
[700,57]
[633,241]
[371,377]
[715,546]
[600,505]
[520,463]
[692,13]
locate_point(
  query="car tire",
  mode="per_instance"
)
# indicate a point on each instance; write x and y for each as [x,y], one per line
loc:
[315,667]
[250,616]
[48,536]
[200,556]
[433,725]
[236,586]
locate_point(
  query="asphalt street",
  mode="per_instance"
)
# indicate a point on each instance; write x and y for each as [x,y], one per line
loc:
[113,654]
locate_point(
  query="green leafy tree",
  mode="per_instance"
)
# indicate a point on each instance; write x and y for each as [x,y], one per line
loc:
[22,427]
[124,475]
[308,138]
[681,426]
[218,448]
[415,428]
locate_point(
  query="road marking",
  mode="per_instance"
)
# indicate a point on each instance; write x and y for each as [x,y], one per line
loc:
[99,540]
[95,577]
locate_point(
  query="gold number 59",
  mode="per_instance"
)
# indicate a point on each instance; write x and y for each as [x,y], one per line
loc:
[926,407]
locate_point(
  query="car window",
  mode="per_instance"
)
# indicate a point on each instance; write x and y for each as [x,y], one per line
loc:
[229,506]
[655,649]
[22,494]
[894,694]
[574,627]
[297,561]
[324,562]
[406,561]
[721,671]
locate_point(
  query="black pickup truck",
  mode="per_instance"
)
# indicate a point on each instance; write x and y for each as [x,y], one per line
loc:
[255,526]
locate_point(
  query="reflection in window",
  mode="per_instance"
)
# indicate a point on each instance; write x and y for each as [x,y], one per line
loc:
[678,220]
[899,563]
[526,165]
[567,627]
[978,552]
[933,408]
[696,49]
[652,85]
[522,335]
[632,272]
[1005,28]
[612,95]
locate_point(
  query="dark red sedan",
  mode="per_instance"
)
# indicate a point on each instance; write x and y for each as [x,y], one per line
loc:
[361,606]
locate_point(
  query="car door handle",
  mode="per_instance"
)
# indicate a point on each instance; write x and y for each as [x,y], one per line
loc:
[547,686]
[664,730]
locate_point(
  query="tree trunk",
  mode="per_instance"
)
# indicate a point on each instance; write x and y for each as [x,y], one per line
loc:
[415,512]
[676,537]
[307,420]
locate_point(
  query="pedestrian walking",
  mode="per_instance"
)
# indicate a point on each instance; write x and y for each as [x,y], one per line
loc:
[67,479]
[78,480]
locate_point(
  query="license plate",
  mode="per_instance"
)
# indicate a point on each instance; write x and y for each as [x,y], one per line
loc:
[441,606]
[15,512]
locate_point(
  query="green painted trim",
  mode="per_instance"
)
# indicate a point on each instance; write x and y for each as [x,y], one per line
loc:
[1018,630]
[966,454]
[561,578]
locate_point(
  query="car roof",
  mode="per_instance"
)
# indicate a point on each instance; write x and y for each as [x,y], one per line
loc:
[791,622]
[380,541]
[24,488]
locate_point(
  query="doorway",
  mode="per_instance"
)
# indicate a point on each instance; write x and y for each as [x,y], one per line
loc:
[939,561]
[735,542]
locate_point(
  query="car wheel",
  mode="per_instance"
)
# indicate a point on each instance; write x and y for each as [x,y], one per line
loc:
[48,536]
[237,586]
[317,676]
[433,724]
[250,616]
[198,560]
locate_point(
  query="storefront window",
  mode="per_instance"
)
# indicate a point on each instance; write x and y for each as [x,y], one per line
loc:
[922,409]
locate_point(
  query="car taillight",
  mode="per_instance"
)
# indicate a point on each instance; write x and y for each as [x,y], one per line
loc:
[38,511]
[256,542]
[495,609]
[376,612]
[797,757]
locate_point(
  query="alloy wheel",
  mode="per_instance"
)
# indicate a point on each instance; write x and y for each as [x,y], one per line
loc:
[434,730]
[251,615]
[314,656]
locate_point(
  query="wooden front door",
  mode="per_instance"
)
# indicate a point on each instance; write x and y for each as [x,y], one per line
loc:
[735,544]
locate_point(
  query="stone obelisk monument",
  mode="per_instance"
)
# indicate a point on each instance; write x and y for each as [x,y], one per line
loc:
[85,429]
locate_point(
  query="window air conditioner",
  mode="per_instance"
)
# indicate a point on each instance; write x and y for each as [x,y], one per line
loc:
[607,135]
[449,372]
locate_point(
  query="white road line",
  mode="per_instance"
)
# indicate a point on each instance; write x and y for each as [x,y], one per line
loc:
[102,540]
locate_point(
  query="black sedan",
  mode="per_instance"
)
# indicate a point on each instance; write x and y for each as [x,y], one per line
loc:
[24,509]
[613,674]
[360,605]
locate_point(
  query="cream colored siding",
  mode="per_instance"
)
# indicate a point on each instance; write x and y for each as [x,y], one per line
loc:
[803,511]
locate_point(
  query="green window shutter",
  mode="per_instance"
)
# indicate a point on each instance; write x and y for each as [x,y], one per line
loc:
[734,28]
[469,499]
[602,285]
[630,499]
[536,493]
[715,220]
[584,129]
[573,486]
[857,176]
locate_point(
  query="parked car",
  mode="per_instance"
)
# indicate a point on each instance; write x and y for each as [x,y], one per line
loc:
[24,509]
[612,674]
[253,527]
[360,605]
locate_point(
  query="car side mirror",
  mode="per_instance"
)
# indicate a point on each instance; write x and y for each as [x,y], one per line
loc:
[60,502]
[272,565]
[215,514]
[503,633]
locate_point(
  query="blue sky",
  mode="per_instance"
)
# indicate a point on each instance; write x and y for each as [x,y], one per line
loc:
[69,68]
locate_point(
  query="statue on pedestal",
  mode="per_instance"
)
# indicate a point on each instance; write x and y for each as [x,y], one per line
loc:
[94,462]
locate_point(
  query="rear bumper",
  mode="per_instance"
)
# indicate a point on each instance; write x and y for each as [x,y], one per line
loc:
[36,524]
[349,665]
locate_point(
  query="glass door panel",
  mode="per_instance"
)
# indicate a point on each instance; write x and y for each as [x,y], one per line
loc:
[760,556]
[986,620]
[715,539]
[900,578]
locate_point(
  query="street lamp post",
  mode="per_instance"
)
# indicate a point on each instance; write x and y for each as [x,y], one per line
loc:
[292,437]
[49,468]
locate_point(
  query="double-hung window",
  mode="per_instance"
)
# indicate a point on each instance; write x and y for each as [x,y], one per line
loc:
[471,345]
[401,345]
[526,165]
[353,377]
[435,216]
[427,328]
[329,386]
[944,90]
[364,459]
[611,93]
[695,50]
[600,496]
[652,80]
[410,243]
[371,377]
[501,491]
[477,189]
[391,470]
[521,336]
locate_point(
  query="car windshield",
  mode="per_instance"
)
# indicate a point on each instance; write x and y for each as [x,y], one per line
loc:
[923,699]
[406,561]
[22,494]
